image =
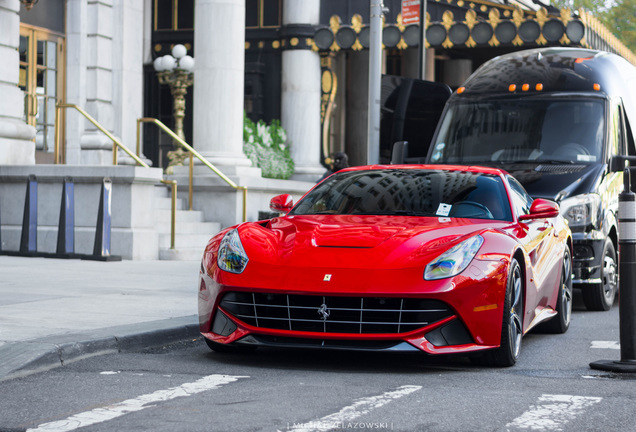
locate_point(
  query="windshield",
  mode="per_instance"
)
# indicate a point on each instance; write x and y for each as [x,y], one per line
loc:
[514,130]
[409,192]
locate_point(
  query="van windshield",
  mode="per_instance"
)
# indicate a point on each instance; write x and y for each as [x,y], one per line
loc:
[517,131]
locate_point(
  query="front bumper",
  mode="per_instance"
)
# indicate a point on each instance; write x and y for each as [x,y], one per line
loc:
[587,261]
[472,321]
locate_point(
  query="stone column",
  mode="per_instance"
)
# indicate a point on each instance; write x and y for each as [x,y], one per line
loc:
[300,99]
[219,75]
[357,107]
[128,58]
[75,75]
[457,71]
[97,147]
[16,137]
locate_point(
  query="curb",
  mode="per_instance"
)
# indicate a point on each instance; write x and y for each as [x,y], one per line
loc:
[19,359]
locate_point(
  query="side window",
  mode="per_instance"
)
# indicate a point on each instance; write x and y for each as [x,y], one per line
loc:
[616,132]
[521,201]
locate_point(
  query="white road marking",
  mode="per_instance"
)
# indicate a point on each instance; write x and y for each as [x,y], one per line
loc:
[352,412]
[552,412]
[606,345]
[99,415]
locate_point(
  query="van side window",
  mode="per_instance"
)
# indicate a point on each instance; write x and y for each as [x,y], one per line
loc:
[616,132]
[521,201]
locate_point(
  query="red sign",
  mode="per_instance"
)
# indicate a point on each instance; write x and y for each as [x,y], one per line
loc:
[410,12]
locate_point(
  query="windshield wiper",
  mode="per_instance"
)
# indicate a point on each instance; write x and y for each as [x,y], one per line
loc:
[535,161]
[556,162]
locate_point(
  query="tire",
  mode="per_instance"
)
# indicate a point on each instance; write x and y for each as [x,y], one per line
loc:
[600,297]
[228,349]
[561,322]
[512,324]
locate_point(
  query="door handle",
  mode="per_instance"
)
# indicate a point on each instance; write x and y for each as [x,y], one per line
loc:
[27,106]
[35,104]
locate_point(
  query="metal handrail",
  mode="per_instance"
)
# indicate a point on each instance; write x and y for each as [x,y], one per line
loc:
[193,152]
[116,144]
[173,210]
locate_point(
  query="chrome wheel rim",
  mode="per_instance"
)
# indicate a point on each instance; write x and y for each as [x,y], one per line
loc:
[515,327]
[566,288]
[609,278]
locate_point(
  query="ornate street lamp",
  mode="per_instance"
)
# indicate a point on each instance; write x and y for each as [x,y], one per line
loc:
[176,71]
[28,4]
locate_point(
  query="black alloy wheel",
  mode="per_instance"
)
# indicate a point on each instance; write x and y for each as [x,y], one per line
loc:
[512,325]
[600,296]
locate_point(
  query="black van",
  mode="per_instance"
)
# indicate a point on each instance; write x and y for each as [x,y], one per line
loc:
[558,120]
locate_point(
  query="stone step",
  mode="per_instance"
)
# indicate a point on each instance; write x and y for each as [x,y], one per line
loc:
[185,240]
[192,232]
[162,191]
[166,203]
[163,216]
[201,228]
[181,254]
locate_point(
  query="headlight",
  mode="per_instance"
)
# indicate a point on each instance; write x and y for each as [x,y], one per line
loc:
[232,257]
[581,210]
[455,260]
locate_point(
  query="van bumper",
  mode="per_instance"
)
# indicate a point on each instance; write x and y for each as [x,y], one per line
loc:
[587,260]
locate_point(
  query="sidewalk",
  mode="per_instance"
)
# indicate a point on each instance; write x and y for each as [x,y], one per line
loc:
[53,311]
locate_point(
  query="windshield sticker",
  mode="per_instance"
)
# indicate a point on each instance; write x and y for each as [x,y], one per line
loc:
[586,158]
[443,209]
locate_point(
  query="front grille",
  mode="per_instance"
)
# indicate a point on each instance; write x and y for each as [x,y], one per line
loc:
[333,314]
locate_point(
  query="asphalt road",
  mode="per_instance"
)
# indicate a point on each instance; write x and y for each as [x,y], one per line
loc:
[186,387]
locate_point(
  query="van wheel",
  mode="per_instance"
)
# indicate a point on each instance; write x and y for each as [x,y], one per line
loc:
[600,297]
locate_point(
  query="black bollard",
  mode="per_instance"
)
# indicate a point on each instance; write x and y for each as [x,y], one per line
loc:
[29,237]
[627,278]
[66,225]
[101,249]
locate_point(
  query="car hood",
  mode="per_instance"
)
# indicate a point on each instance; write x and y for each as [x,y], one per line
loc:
[556,181]
[391,241]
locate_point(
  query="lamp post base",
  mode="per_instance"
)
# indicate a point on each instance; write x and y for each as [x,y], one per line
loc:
[177,158]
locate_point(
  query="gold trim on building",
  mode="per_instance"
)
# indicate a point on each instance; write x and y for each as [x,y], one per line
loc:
[499,14]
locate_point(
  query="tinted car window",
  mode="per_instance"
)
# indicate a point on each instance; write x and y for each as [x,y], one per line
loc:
[411,192]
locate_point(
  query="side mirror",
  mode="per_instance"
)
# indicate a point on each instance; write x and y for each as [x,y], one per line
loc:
[400,152]
[617,163]
[281,203]
[541,209]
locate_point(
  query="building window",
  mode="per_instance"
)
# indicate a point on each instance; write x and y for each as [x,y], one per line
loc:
[173,15]
[262,13]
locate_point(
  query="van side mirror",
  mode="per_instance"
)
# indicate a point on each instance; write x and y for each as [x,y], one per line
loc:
[617,163]
[400,152]
[541,209]
[281,203]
